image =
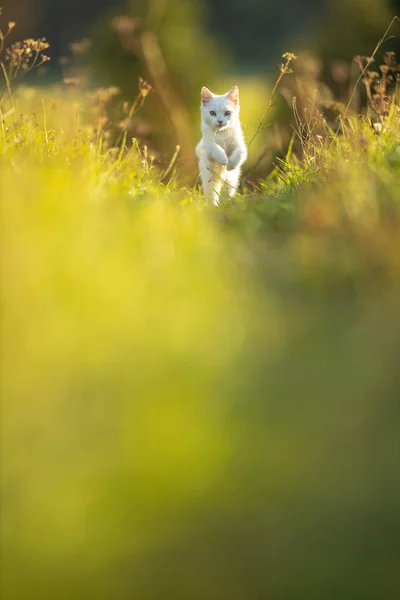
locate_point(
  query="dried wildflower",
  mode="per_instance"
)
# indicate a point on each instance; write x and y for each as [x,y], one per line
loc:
[144,87]
[11,25]
[390,59]
[289,57]
[26,55]
[380,87]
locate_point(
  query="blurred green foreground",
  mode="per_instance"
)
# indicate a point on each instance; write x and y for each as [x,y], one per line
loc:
[197,403]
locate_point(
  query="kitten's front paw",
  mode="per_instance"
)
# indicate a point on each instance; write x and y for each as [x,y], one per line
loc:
[220,159]
[223,160]
[232,164]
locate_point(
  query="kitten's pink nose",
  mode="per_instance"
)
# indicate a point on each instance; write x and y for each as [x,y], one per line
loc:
[220,123]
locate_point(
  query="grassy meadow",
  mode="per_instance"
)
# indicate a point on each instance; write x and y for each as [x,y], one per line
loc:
[197,402]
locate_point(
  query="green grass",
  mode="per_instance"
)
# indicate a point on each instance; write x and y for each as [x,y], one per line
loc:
[197,402]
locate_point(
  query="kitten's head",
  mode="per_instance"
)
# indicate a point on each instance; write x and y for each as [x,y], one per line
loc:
[220,112]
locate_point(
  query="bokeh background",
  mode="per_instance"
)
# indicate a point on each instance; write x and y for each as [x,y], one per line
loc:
[251,35]
[181,45]
[197,404]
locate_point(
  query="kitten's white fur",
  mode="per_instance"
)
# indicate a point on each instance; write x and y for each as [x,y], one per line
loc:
[222,149]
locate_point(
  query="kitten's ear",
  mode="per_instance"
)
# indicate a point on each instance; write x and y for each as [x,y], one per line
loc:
[233,95]
[206,95]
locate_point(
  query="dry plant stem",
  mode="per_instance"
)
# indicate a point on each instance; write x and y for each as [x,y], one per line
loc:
[130,115]
[7,83]
[370,60]
[284,71]
[171,164]
[2,126]
[3,36]
[9,95]
[45,123]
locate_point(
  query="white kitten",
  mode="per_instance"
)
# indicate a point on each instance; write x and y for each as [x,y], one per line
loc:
[222,149]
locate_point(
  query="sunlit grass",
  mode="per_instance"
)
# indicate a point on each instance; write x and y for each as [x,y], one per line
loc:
[185,387]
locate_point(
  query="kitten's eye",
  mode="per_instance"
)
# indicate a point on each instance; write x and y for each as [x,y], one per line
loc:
[228,113]
[213,113]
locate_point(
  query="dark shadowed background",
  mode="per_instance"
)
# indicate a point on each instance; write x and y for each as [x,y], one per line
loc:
[254,31]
